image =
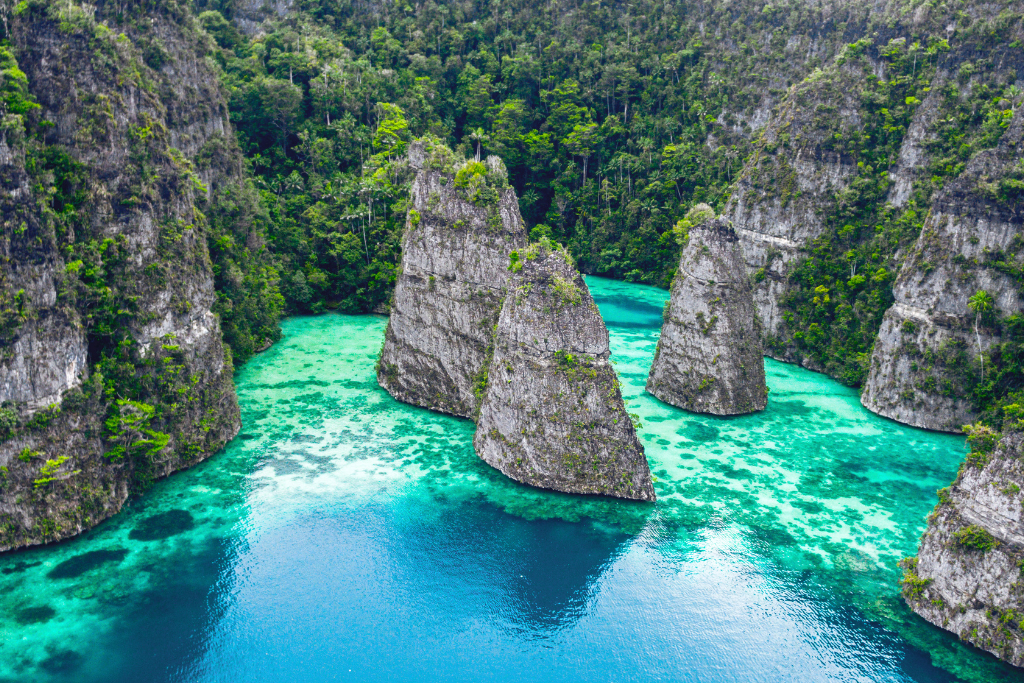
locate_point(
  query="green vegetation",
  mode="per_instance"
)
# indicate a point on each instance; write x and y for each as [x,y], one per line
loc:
[565,291]
[695,216]
[974,537]
[612,124]
[913,585]
[602,126]
[128,428]
[566,360]
[48,472]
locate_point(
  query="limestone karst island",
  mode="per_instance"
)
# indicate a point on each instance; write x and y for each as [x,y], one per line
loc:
[508,340]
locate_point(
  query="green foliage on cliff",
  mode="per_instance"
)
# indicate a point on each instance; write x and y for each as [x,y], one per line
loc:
[613,122]
[844,285]
[974,537]
[912,585]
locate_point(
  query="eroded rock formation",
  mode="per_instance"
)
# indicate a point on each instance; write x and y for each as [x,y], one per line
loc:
[109,268]
[967,575]
[926,357]
[782,196]
[459,233]
[709,358]
[553,415]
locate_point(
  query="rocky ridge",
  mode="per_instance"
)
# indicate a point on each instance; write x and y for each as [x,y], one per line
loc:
[966,577]
[709,358]
[552,414]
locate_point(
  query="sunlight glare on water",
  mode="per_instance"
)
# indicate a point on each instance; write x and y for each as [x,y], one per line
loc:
[346,536]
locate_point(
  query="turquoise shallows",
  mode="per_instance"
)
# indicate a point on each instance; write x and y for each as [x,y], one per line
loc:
[347,537]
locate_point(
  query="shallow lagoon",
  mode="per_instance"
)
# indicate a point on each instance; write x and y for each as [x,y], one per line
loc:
[346,536]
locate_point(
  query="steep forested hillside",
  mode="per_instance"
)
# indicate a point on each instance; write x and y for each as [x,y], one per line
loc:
[199,169]
[616,118]
[613,120]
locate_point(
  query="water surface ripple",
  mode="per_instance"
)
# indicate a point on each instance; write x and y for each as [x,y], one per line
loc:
[347,537]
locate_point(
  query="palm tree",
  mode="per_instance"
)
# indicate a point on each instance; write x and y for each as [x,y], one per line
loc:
[980,304]
[479,138]
[1013,93]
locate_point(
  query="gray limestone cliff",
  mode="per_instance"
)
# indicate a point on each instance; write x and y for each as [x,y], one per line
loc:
[926,358]
[552,414]
[250,15]
[113,372]
[966,577]
[459,233]
[780,198]
[878,198]
[709,358]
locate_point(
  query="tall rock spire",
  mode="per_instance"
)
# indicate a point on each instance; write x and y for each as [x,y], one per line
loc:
[461,227]
[709,358]
[552,415]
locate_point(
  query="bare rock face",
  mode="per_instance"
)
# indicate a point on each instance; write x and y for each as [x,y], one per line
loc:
[250,15]
[453,280]
[926,357]
[780,197]
[709,358]
[138,286]
[967,575]
[552,415]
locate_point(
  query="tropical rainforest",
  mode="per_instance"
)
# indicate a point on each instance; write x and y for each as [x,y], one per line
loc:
[614,120]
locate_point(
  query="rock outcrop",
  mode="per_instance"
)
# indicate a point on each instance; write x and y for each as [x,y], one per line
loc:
[459,233]
[112,368]
[926,357]
[778,205]
[967,575]
[709,358]
[552,415]
[251,15]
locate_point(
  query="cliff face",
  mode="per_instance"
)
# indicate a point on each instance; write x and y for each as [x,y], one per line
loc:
[709,358]
[966,577]
[43,339]
[552,415]
[926,358]
[250,15]
[878,200]
[778,204]
[459,233]
[115,373]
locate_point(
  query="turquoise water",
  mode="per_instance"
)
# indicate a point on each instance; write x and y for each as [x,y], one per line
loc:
[347,537]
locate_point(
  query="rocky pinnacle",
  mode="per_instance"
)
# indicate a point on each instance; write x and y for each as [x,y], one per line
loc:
[449,293]
[709,358]
[552,415]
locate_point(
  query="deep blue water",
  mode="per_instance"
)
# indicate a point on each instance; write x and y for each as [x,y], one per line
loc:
[347,537]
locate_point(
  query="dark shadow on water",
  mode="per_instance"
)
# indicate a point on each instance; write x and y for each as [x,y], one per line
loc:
[163,525]
[546,569]
[35,615]
[19,567]
[61,662]
[699,432]
[171,624]
[80,564]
